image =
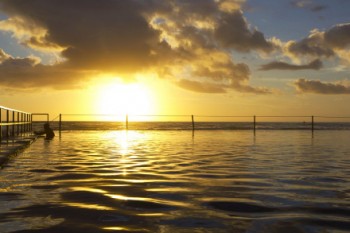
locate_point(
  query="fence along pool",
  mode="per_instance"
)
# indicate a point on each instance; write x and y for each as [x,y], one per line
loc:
[198,122]
[14,122]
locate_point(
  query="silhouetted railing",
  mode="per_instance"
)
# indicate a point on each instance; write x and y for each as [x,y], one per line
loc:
[255,122]
[14,123]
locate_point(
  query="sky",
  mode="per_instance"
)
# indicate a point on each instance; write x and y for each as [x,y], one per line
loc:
[176,57]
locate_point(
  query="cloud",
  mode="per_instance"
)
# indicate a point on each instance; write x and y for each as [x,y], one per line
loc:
[318,87]
[314,65]
[207,87]
[314,45]
[3,55]
[177,39]
[338,36]
[233,32]
[309,5]
[28,73]
[200,86]
[104,35]
[301,3]
[322,44]
[317,8]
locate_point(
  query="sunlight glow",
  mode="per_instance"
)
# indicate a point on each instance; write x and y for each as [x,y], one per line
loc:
[117,98]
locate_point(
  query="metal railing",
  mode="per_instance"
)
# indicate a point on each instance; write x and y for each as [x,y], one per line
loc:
[14,123]
[309,122]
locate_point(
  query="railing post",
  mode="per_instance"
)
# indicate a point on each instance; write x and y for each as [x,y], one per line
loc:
[60,124]
[127,122]
[0,125]
[13,125]
[31,122]
[22,122]
[254,123]
[27,124]
[192,117]
[17,128]
[7,121]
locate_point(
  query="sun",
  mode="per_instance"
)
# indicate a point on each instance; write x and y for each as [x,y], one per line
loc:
[118,98]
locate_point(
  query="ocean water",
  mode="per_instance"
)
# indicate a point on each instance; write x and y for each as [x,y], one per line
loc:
[176,181]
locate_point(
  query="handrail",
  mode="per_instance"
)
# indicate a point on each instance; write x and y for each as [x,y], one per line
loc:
[191,118]
[14,123]
[11,109]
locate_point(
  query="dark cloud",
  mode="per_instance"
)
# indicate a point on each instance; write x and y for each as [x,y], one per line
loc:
[338,36]
[123,37]
[317,8]
[318,87]
[28,73]
[314,45]
[322,44]
[309,5]
[221,77]
[207,87]
[233,32]
[314,65]
[200,86]
[95,34]
[224,72]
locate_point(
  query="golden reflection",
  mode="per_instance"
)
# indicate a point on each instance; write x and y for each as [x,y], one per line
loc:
[122,139]
[138,181]
[127,141]
[123,229]
[115,228]
[117,185]
[151,214]
[151,200]
[125,198]
[170,189]
[93,190]
[89,206]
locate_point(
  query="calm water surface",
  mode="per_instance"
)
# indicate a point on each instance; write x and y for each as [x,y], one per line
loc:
[170,181]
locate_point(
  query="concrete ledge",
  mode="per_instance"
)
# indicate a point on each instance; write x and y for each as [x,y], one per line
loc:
[13,146]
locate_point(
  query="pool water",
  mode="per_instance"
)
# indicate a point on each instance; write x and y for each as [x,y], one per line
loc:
[173,181]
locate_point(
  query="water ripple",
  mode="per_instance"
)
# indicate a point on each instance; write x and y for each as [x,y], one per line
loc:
[169,181]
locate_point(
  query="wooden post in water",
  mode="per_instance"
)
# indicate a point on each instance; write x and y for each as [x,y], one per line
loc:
[127,122]
[312,123]
[192,117]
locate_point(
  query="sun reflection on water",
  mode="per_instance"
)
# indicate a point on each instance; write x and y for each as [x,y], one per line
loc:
[124,229]
[88,206]
[160,181]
